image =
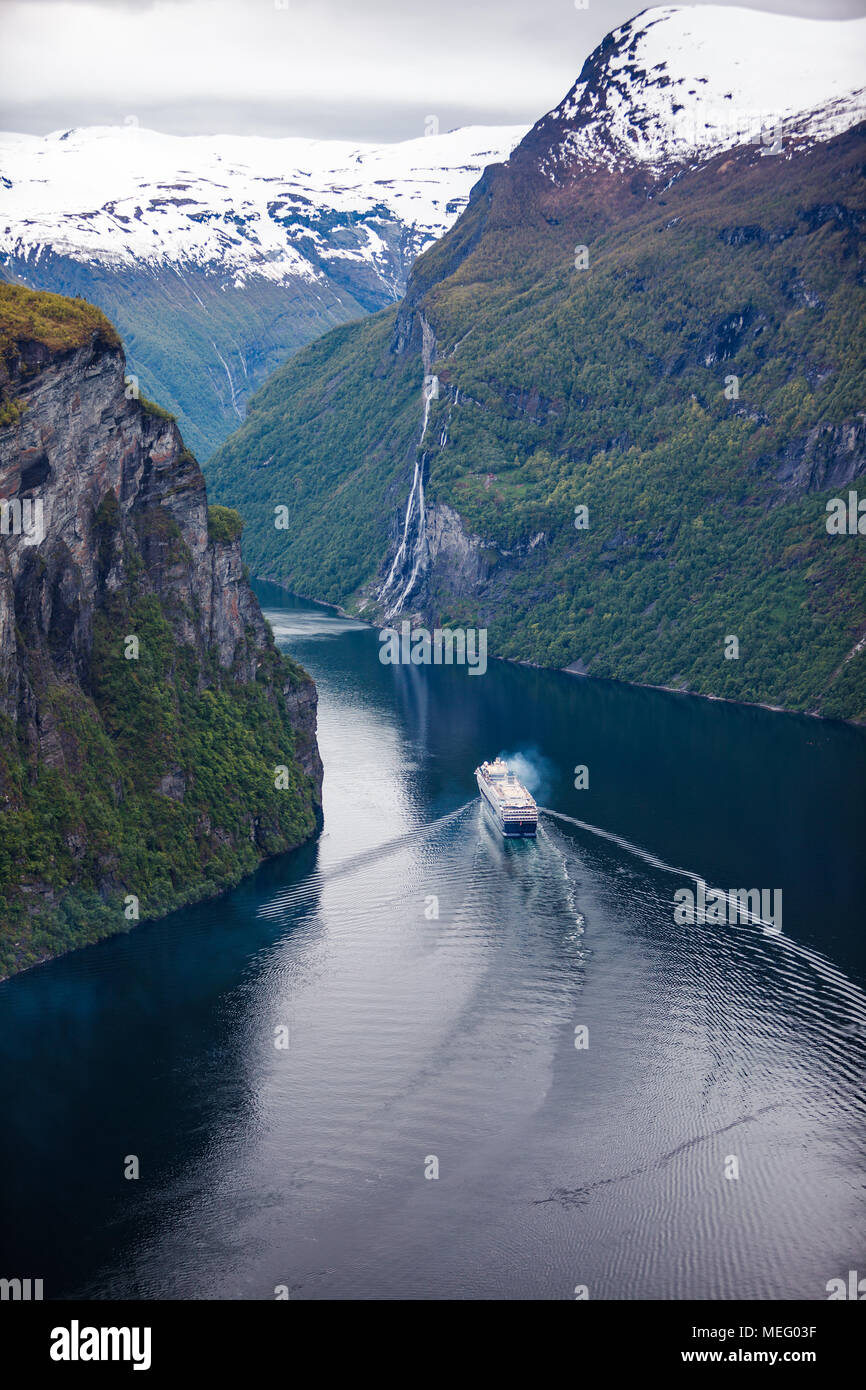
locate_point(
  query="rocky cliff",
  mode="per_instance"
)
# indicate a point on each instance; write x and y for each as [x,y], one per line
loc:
[156,746]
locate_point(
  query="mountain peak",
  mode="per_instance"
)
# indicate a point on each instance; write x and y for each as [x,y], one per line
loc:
[676,83]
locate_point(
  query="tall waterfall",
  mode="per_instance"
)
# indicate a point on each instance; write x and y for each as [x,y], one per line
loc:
[411,550]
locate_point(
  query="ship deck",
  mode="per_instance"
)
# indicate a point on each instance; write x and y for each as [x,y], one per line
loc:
[510,793]
[515,798]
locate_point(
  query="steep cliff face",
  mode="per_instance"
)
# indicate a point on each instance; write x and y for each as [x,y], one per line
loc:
[156,744]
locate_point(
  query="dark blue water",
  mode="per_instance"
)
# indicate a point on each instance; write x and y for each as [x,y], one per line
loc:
[414,1036]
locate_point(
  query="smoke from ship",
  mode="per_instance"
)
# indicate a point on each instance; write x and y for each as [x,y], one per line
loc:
[533,768]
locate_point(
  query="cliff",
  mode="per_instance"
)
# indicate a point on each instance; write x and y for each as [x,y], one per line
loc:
[145,709]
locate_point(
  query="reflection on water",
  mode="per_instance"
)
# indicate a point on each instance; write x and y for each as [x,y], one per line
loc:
[432,981]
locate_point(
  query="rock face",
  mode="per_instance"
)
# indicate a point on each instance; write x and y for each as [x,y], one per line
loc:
[830,456]
[131,648]
[457,563]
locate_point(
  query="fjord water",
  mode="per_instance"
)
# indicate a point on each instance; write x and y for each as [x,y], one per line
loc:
[412,1035]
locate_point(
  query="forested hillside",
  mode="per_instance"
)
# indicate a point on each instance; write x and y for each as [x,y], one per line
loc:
[680,355]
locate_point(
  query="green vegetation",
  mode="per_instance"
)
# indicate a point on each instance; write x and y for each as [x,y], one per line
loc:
[60,325]
[76,843]
[332,455]
[224,524]
[11,411]
[605,388]
[151,408]
[56,322]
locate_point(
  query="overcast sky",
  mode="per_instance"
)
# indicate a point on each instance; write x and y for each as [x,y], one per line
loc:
[352,69]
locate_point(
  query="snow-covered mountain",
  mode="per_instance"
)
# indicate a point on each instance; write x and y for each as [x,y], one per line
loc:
[216,256]
[241,205]
[679,84]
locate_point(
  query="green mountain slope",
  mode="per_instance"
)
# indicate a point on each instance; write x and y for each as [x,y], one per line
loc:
[195,342]
[602,388]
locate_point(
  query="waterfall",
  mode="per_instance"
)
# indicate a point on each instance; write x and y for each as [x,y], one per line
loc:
[231,383]
[415,519]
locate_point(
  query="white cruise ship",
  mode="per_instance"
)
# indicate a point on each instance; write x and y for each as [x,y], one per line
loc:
[515,810]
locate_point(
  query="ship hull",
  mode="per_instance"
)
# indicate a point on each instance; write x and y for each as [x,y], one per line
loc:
[511,829]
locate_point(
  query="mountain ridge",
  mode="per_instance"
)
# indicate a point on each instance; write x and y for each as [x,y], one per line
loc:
[217,256]
[560,385]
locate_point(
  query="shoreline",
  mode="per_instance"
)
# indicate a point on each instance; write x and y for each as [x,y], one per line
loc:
[563,670]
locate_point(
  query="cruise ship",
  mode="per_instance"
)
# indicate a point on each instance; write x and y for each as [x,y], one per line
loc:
[515,810]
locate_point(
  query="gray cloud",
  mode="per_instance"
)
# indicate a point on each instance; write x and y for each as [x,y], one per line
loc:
[325,68]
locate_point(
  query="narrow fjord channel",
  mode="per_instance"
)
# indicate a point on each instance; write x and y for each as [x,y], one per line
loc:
[431,981]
